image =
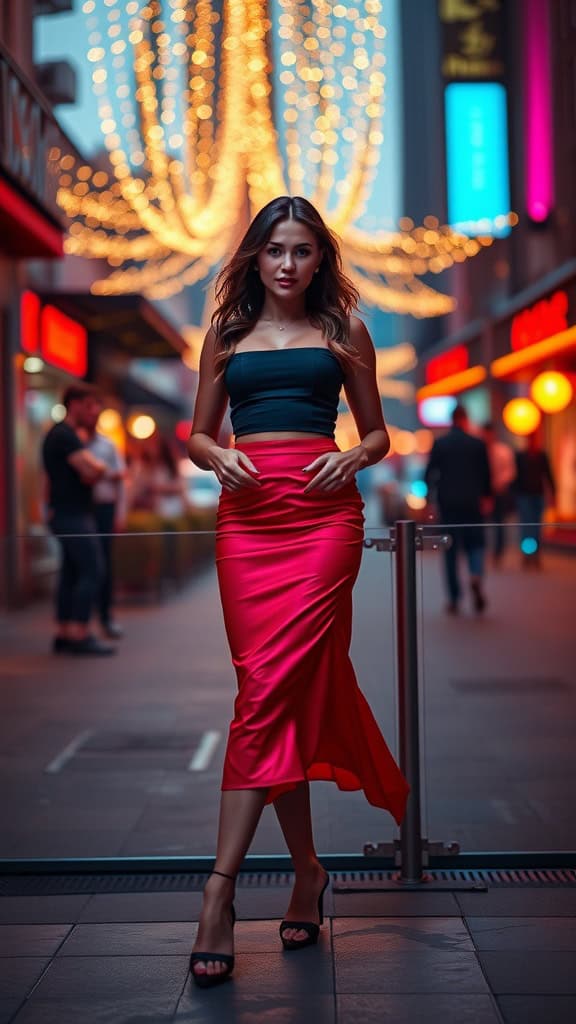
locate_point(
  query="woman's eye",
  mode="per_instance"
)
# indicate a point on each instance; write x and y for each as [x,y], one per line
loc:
[273,251]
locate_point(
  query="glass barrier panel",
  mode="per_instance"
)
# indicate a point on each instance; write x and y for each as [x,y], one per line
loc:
[497,667]
[121,754]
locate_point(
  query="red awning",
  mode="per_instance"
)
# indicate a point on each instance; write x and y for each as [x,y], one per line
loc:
[25,233]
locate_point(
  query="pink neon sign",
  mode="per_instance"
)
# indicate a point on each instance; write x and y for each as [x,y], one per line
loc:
[538,110]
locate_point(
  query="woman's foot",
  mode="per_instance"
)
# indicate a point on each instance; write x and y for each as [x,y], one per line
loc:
[304,903]
[215,928]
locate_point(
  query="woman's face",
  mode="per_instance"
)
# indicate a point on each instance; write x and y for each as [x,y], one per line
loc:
[289,259]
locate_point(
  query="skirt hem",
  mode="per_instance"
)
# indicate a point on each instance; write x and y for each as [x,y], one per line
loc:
[394,802]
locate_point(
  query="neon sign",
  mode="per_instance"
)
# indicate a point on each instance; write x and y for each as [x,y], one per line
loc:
[543,320]
[454,361]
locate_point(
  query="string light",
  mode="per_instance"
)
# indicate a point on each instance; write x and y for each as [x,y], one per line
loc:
[202,145]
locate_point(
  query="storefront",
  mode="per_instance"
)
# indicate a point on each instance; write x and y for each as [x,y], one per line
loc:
[31,229]
[71,336]
[528,352]
[48,338]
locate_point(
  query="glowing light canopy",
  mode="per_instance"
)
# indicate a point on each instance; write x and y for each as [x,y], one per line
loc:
[198,141]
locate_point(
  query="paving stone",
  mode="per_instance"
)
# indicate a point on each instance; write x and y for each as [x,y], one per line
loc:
[357,935]
[232,1003]
[396,904]
[102,978]
[408,972]
[32,939]
[150,906]
[417,1009]
[537,973]
[293,975]
[523,933]
[536,1009]
[519,902]
[19,974]
[8,1008]
[150,938]
[42,909]
[96,1011]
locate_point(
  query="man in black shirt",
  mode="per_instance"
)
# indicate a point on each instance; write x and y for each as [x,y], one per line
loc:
[72,470]
[458,473]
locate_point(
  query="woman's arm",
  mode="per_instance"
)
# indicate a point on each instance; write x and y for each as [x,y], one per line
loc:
[209,408]
[203,449]
[363,397]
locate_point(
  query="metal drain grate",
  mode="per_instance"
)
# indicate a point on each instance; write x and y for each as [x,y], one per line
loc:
[493,877]
[342,881]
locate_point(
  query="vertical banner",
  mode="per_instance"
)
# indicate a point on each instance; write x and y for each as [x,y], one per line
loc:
[476,119]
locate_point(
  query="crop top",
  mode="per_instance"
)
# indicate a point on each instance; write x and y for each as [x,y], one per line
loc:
[295,389]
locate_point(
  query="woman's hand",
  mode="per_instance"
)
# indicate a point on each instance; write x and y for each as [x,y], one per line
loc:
[227,463]
[334,470]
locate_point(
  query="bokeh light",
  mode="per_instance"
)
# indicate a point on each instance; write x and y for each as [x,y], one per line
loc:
[552,391]
[141,426]
[521,416]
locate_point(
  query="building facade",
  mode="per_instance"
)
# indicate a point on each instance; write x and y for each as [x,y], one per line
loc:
[516,300]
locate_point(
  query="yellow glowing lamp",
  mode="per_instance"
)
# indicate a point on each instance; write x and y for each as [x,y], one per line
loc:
[109,421]
[521,416]
[141,426]
[552,391]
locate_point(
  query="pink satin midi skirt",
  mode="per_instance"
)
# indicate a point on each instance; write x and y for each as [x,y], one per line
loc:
[287,563]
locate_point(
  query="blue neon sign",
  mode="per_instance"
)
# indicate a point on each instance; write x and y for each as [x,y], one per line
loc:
[477,157]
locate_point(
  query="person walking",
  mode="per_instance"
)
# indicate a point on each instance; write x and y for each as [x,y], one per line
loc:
[533,486]
[109,509]
[458,475]
[502,474]
[289,541]
[71,471]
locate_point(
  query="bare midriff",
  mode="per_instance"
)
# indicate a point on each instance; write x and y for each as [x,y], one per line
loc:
[275,435]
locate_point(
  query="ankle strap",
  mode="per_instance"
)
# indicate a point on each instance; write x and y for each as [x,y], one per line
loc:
[223,873]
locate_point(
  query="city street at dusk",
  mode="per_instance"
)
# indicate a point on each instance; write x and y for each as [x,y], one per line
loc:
[287,511]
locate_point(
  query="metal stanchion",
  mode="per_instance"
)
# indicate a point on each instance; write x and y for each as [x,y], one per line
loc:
[407,660]
[412,852]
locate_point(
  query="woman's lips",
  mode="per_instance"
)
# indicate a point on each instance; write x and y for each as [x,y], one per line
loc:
[286,282]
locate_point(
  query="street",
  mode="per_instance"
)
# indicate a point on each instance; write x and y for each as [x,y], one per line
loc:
[122,756]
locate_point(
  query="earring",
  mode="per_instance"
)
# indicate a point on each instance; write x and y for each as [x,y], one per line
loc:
[317,269]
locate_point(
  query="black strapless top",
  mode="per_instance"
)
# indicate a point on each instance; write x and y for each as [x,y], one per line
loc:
[293,389]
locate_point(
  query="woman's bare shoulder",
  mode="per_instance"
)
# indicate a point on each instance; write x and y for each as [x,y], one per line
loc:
[360,335]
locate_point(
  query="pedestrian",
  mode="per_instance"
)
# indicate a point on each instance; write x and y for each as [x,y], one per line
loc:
[288,549]
[109,512]
[458,477]
[502,474]
[167,483]
[72,470]
[534,486]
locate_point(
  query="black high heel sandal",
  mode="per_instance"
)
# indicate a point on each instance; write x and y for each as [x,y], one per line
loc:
[312,930]
[208,980]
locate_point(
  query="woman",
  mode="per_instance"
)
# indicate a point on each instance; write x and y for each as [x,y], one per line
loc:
[288,549]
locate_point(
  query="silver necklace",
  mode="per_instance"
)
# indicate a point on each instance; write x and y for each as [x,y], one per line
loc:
[281,327]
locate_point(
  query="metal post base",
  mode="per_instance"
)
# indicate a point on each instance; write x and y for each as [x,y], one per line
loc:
[428,848]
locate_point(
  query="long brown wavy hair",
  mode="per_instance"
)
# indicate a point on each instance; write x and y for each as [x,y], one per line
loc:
[330,296]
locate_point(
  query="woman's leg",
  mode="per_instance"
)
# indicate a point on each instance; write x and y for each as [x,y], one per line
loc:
[240,811]
[293,813]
